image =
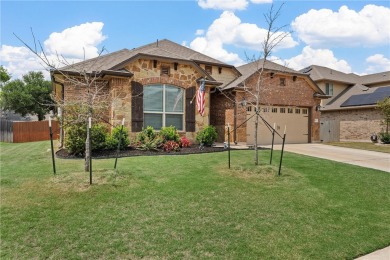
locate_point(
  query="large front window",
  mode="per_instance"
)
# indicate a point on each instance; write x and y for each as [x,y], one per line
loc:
[163,106]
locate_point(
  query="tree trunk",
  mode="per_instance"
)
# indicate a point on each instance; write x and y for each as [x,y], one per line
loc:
[256,149]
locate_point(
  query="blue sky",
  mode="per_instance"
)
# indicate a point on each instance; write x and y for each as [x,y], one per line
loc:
[350,36]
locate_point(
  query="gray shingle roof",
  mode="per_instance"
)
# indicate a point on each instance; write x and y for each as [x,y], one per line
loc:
[375,78]
[249,69]
[163,48]
[319,73]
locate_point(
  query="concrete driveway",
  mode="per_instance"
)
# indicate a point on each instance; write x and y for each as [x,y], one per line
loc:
[368,159]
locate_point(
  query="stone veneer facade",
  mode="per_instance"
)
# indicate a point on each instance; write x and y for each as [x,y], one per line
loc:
[295,93]
[145,72]
[356,124]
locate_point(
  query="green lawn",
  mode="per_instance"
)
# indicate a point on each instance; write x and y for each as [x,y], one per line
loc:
[363,146]
[189,206]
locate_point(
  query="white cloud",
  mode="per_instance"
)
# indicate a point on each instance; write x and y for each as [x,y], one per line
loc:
[70,43]
[20,60]
[199,32]
[377,63]
[77,41]
[215,49]
[223,4]
[321,57]
[346,27]
[228,29]
[229,4]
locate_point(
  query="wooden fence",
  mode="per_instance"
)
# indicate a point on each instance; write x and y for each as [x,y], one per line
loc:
[21,132]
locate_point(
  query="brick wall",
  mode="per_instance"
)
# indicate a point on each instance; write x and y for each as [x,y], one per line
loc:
[295,93]
[356,124]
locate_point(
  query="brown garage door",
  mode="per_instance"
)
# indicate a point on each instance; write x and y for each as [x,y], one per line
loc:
[294,118]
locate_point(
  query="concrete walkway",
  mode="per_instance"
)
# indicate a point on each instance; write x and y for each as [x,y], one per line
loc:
[383,254]
[368,159]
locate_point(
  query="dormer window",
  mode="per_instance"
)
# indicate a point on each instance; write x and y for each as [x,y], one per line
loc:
[329,89]
[209,69]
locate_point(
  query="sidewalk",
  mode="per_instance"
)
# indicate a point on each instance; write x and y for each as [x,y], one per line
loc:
[382,254]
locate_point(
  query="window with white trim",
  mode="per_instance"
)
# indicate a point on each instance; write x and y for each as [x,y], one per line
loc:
[163,106]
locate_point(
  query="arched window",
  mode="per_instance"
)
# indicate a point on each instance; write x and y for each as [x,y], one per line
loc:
[163,106]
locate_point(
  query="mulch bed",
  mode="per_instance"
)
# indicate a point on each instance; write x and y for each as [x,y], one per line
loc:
[131,151]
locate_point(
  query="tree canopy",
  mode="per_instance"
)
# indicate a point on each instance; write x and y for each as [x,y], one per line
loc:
[31,95]
[4,76]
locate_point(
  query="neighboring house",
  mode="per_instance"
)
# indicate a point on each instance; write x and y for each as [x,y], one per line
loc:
[350,113]
[152,85]
[288,99]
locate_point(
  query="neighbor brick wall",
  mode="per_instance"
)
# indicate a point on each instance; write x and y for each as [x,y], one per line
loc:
[356,124]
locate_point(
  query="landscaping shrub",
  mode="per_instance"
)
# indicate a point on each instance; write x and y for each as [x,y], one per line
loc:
[113,139]
[169,133]
[384,137]
[150,144]
[171,146]
[147,132]
[76,135]
[184,142]
[207,135]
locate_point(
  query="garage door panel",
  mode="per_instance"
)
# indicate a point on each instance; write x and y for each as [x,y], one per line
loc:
[296,124]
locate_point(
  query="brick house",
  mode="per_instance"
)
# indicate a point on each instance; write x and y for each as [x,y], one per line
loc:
[350,113]
[288,99]
[151,85]
[156,85]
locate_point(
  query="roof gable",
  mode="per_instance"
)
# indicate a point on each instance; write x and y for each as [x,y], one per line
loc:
[249,69]
[159,49]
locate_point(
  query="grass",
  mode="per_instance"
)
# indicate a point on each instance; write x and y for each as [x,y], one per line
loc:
[189,206]
[363,146]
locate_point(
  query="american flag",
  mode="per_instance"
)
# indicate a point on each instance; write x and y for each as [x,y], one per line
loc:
[200,102]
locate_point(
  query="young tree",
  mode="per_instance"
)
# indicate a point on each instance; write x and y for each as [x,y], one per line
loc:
[31,95]
[384,106]
[275,35]
[92,102]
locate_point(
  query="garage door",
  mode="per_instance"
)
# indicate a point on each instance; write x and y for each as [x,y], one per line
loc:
[295,119]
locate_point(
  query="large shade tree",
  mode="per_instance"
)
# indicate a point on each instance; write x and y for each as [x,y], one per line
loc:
[29,95]
[4,76]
